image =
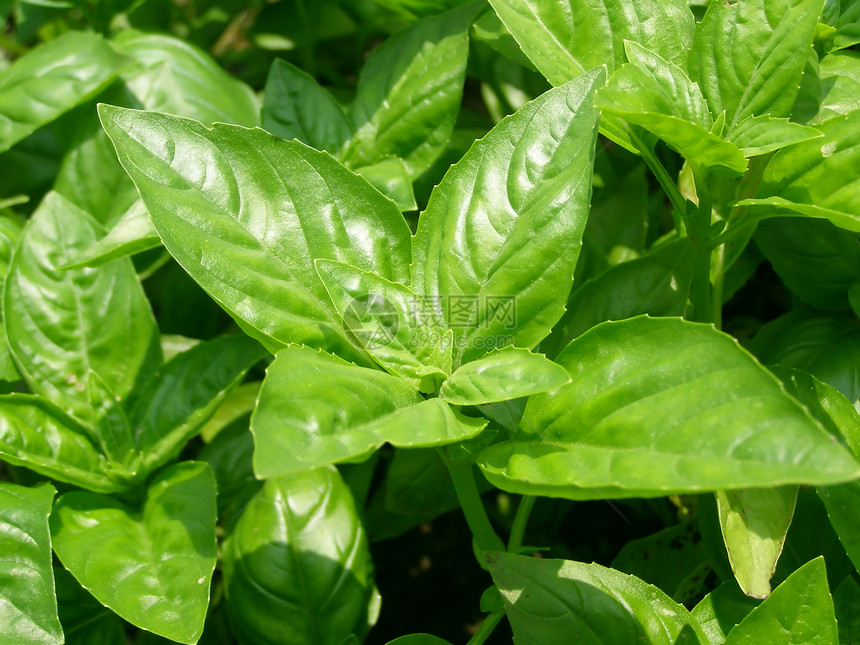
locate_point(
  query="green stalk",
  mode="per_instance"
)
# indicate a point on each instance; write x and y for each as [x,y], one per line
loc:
[487,627]
[669,186]
[704,309]
[518,528]
[470,501]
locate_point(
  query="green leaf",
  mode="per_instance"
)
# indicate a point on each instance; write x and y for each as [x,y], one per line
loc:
[38,435]
[418,639]
[758,135]
[560,601]
[85,620]
[62,324]
[754,522]
[504,207]
[658,283]
[721,610]
[846,600]
[409,93]
[132,234]
[213,194]
[564,39]
[52,79]
[181,396]
[391,178]
[10,234]
[844,16]
[237,403]
[112,428]
[841,503]
[748,57]
[27,598]
[501,375]
[297,567]
[667,559]
[816,260]
[827,345]
[799,611]
[316,409]
[231,456]
[296,107]
[658,406]
[172,75]
[830,408]
[93,180]
[840,84]
[386,320]
[152,565]
[818,175]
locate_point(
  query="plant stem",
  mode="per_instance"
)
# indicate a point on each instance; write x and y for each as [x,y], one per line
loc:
[518,529]
[699,231]
[470,501]
[665,180]
[487,627]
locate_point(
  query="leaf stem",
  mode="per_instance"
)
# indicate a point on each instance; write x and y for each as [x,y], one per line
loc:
[521,519]
[470,500]
[487,627]
[665,180]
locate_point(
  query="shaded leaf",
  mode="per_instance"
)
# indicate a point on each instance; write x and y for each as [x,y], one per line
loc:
[297,567]
[52,79]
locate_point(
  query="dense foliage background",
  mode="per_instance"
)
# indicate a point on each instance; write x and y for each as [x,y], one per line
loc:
[137,335]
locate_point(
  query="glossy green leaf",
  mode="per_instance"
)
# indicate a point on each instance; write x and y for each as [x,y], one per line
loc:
[840,84]
[409,93]
[132,234]
[28,603]
[658,96]
[296,107]
[213,196]
[799,611]
[844,17]
[658,283]
[62,324]
[388,321]
[757,135]
[564,39]
[36,434]
[316,409]
[151,565]
[748,57]
[172,75]
[666,559]
[181,396]
[52,79]
[518,196]
[660,405]
[754,523]
[391,178]
[818,175]
[827,345]
[110,422]
[560,601]
[816,260]
[297,567]
[503,374]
